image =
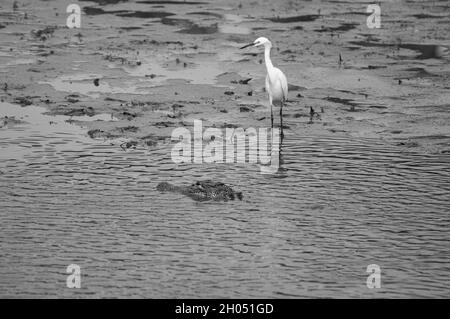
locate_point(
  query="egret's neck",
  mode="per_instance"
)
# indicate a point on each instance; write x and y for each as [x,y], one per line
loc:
[269,64]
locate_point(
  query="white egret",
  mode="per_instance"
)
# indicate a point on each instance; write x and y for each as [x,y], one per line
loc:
[276,81]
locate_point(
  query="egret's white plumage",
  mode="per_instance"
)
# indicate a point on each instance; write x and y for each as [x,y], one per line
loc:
[276,81]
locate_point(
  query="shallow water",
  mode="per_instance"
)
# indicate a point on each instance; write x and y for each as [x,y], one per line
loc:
[336,206]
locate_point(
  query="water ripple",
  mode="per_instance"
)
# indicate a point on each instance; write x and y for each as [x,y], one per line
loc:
[342,204]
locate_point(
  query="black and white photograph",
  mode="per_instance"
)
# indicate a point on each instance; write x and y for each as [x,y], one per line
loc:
[226,150]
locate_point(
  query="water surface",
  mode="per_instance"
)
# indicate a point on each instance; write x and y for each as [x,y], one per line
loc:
[336,206]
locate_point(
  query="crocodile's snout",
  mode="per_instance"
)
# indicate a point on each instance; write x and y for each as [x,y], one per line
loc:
[163,186]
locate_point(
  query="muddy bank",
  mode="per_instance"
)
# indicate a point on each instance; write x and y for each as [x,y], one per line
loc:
[164,64]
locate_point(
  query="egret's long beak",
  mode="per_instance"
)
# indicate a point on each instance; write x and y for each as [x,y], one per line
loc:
[247,45]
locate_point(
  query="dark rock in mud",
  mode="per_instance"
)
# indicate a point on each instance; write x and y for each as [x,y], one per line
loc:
[155,42]
[104,2]
[89,111]
[298,115]
[132,129]
[150,140]
[43,34]
[426,16]
[177,106]
[113,58]
[130,28]
[197,29]
[313,114]
[92,11]
[72,98]
[110,99]
[427,51]
[175,115]
[244,81]
[205,13]
[23,100]
[145,14]
[45,54]
[97,133]
[203,191]
[408,143]
[9,121]
[190,27]
[243,109]
[421,72]
[343,27]
[164,124]
[374,67]
[338,100]
[228,125]
[126,115]
[172,2]
[293,87]
[302,18]
[129,144]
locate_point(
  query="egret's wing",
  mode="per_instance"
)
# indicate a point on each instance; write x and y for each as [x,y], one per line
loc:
[268,88]
[284,86]
[283,82]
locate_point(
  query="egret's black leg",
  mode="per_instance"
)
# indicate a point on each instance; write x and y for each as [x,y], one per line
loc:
[271,116]
[281,120]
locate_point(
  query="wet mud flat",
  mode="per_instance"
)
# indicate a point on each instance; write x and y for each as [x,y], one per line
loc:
[109,95]
[162,64]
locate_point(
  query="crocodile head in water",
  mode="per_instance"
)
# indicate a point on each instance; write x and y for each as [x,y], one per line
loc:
[203,190]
